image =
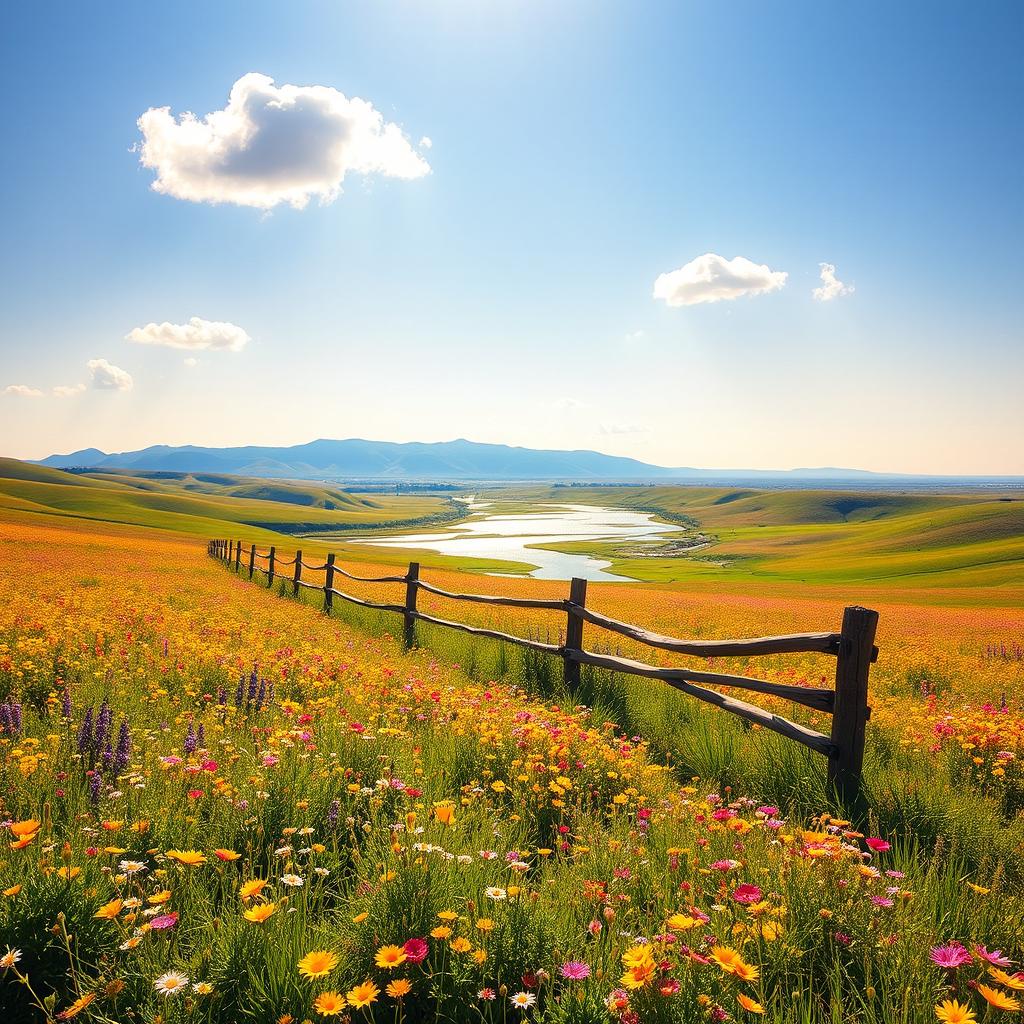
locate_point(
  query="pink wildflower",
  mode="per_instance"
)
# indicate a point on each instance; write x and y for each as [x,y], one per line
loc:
[416,950]
[994,956]
[575,970]
[950,957]
[746,893]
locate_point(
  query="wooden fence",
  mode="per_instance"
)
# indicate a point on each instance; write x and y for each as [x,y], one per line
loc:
[852,647]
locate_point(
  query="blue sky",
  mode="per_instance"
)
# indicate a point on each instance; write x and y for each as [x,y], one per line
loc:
[577,152]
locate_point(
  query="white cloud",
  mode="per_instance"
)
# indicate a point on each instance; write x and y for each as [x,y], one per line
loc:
[23,391]
[634,337]
[273,145]
[107,377]
[623,428]
[568,404]
[196,334]
[191,361]
[712,278]
[831,287]
[426,142]
[68,390]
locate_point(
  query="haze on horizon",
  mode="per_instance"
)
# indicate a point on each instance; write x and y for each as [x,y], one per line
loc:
[708,236]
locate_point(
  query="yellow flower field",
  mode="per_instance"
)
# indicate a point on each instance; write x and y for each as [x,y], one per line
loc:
[219,805]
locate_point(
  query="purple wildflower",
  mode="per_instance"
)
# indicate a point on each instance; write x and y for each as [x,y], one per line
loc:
[85,731]
[123,753]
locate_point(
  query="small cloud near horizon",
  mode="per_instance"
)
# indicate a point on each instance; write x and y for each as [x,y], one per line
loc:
[107,377]
[274,144]
[195,335]
[831,287]
[568,404]
[23,391]
[712,278]
[624,428]
[67,390]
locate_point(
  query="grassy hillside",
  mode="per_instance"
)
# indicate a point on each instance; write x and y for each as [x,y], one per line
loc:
[310,495]
[203,505]
[819,536]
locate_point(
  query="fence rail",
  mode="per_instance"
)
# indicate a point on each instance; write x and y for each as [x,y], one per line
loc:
[852,647]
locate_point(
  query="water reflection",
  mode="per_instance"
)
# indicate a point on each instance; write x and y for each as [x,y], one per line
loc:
[508,537]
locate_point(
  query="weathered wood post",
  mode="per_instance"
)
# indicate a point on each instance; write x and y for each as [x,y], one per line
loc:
[270,566]
[574,631]
[328,584]
[411,587]
[298,574]
[850,713]
[238,555]
[252,560]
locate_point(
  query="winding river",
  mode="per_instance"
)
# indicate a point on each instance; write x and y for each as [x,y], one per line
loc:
[508,537]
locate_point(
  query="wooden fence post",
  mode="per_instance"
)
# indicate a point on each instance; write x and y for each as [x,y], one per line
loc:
[850,714]
[328,584]
[411,588]
[574,632]
[252,560]
[238,555]
[270,566]
[298,574]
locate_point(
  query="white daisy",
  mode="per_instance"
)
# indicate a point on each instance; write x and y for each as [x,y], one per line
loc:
[171,983]
[10,958]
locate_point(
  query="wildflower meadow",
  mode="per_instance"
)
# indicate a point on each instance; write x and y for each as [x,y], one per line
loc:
[219,805]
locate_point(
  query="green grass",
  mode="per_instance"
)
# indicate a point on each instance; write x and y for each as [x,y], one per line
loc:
[921,799]
[204,506]
[818,537]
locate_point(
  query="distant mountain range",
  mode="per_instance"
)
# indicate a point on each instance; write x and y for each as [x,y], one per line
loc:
[359,459]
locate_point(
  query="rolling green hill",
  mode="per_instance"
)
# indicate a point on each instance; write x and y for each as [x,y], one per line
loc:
[926,540]
[310,495]
[204,505]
